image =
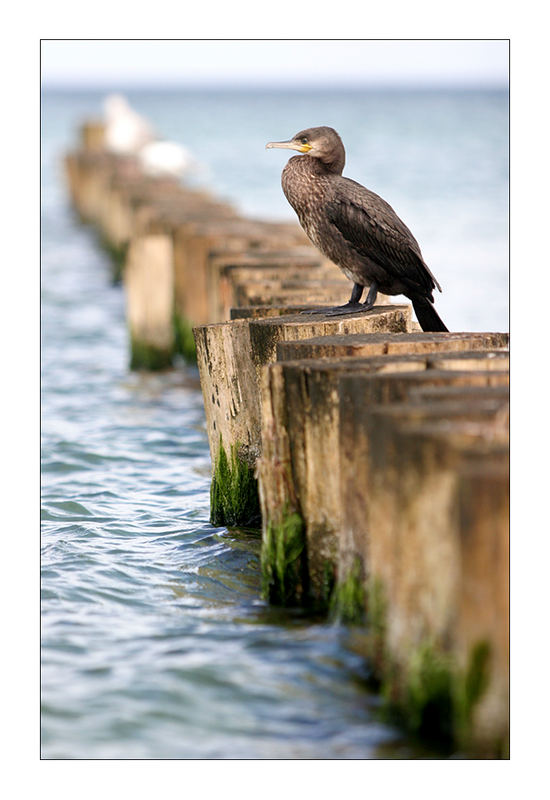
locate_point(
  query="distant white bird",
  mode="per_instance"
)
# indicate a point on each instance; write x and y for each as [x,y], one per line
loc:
[125,130]
[165,158]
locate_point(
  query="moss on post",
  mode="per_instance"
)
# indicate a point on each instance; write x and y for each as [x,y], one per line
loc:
[347,601]
[377,626]
[440,698]
[328,584]
[471,688]
[428,697]
[284,569]
[148,357]
[148,282]
[184,339]
[117,255]
[234,491]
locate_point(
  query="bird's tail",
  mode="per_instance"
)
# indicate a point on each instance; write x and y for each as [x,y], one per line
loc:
[427,316]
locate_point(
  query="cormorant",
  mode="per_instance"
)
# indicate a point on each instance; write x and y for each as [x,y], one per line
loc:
[355,228]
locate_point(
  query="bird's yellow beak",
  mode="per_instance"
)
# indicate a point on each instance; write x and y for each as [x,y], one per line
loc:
[291,144]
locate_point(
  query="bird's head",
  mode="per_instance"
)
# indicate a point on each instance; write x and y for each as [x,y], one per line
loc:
[322,143]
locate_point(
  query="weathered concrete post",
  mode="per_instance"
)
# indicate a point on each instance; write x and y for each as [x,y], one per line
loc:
[359,393]
[306,440]
[92,136]
[482,513]
[255,277]
[447,672]
[196,277]
[149,284]
[231,357]
[228,384]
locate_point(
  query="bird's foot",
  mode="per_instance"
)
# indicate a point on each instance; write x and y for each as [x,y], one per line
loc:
[340,311]
[319,310]
[335,311]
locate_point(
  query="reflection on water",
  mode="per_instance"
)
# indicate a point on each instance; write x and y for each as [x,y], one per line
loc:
[155,640]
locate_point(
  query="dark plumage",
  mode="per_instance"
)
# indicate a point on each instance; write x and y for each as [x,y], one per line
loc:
[355,228]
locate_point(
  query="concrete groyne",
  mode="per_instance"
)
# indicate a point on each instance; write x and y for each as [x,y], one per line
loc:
[373,457]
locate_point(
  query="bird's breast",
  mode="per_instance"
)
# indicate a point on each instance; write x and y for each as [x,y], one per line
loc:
[309,193]
[306,193]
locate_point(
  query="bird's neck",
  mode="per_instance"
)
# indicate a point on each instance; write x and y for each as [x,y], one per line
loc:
[331,165]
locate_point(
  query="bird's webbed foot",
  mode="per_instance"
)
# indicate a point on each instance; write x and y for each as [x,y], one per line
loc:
[351,307]
[335,311]
[320,310]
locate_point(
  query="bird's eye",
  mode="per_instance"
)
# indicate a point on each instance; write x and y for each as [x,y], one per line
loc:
[303,140]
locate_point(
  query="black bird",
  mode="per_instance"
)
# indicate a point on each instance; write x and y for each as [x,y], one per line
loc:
[355,228]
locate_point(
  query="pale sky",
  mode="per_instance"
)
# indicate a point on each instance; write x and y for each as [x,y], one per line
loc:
[274,62]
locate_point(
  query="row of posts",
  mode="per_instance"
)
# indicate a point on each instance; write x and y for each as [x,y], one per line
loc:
[373,457]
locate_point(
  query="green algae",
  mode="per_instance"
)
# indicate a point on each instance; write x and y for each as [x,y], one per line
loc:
[284,569]
[117,255]
[440,698]
[476,679]
[118,258]
[377,610]
[328,585]
[347,600]
[472,686]
[234,500]
[430,696]
[184,339]
[148,357]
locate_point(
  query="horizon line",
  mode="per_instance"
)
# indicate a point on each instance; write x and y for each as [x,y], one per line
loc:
[237,85]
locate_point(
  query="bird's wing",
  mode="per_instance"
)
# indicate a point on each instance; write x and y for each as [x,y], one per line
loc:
[373,228]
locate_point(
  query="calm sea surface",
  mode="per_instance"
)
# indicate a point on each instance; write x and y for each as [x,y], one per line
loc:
[156,643]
